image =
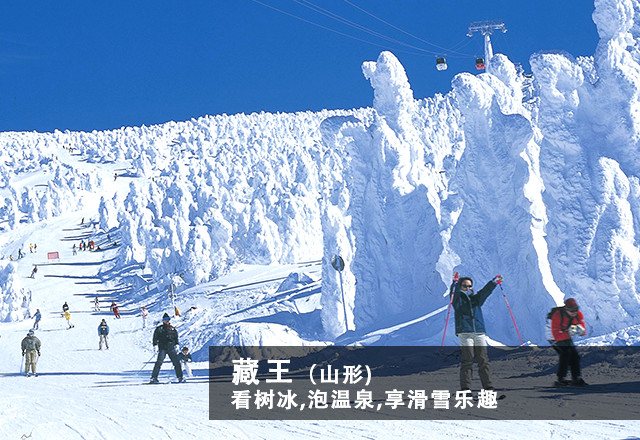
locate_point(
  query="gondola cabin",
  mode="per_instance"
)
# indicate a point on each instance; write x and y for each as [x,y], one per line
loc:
[441,63]
[480,63]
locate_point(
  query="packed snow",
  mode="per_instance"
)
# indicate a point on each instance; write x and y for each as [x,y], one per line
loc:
[243,218]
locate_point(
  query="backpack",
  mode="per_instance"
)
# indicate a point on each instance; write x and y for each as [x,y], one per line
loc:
[548,332]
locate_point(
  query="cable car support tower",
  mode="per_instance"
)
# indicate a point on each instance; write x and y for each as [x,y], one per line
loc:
[486,28]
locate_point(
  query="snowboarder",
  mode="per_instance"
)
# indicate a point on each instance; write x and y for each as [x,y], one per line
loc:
[185,360]
[566,321]
[470,329]
[145,315]
[34,271]
[65,307]
[114,309]
[96,305]
[38,316]
[30,347]
[166,338]
[103,332]
[67,316]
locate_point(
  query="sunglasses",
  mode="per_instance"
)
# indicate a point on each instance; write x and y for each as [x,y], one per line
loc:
[468,286]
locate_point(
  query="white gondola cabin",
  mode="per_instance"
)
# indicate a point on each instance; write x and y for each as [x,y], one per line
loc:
[441,63]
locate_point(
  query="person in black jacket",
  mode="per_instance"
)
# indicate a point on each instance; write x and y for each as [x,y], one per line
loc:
[166,338]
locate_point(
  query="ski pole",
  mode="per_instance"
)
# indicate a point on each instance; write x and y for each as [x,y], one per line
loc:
[511,313]
[446,323]
[145,364]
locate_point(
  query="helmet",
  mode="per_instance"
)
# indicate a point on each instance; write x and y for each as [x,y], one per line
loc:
[30,332]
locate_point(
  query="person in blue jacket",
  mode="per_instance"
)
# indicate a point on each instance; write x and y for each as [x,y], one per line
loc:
[103,332]
[467,306]
[38,316]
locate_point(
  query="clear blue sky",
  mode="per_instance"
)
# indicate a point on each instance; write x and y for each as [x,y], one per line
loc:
[85,65]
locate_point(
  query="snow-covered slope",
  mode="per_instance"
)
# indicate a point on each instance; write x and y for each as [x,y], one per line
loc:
[241,216]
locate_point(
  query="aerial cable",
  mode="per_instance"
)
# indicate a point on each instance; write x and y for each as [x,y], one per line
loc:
[333,30]
[405,32]
[334,16]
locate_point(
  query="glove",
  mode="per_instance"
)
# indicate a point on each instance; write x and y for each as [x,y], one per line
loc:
[577,330]
[498,279]
[455,276]
[38,353]
[23,353]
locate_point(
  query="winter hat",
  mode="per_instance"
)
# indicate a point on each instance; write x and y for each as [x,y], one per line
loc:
[30,332]
[166,317]
[571,304]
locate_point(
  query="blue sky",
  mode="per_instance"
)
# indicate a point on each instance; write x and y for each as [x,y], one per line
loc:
[82,65]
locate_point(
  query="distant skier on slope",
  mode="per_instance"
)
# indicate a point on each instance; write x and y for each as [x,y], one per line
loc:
[145,315]
[67,316]
[166,338]
[34,271]
[566,321]
[30,347]
[114,309]
[96,304]
[470,329]
[103,332]
[37,316]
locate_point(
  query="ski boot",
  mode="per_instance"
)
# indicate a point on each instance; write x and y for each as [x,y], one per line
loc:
[154,380]
[579,382]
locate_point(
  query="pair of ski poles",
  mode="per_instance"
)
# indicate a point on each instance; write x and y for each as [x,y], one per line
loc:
[455,279]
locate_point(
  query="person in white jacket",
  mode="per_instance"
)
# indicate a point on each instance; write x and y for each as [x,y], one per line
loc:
[145,314]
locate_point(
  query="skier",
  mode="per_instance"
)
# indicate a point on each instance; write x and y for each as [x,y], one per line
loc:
[114,309]
[75,250]
[65,307]
[565,321]
[166,338]
[31,248]
[185,360]
[30,347]
[37,322]
[103,332]
[20,254]
[470,329]
[67,316]
[145,315]
[96,305]
[34,271]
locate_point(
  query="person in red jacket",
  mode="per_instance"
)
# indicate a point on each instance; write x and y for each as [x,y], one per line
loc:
[565,322]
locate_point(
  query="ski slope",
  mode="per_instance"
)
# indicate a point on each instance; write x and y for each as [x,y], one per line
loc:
[84,393]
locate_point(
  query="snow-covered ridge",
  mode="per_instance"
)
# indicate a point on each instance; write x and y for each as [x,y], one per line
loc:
[543,189]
